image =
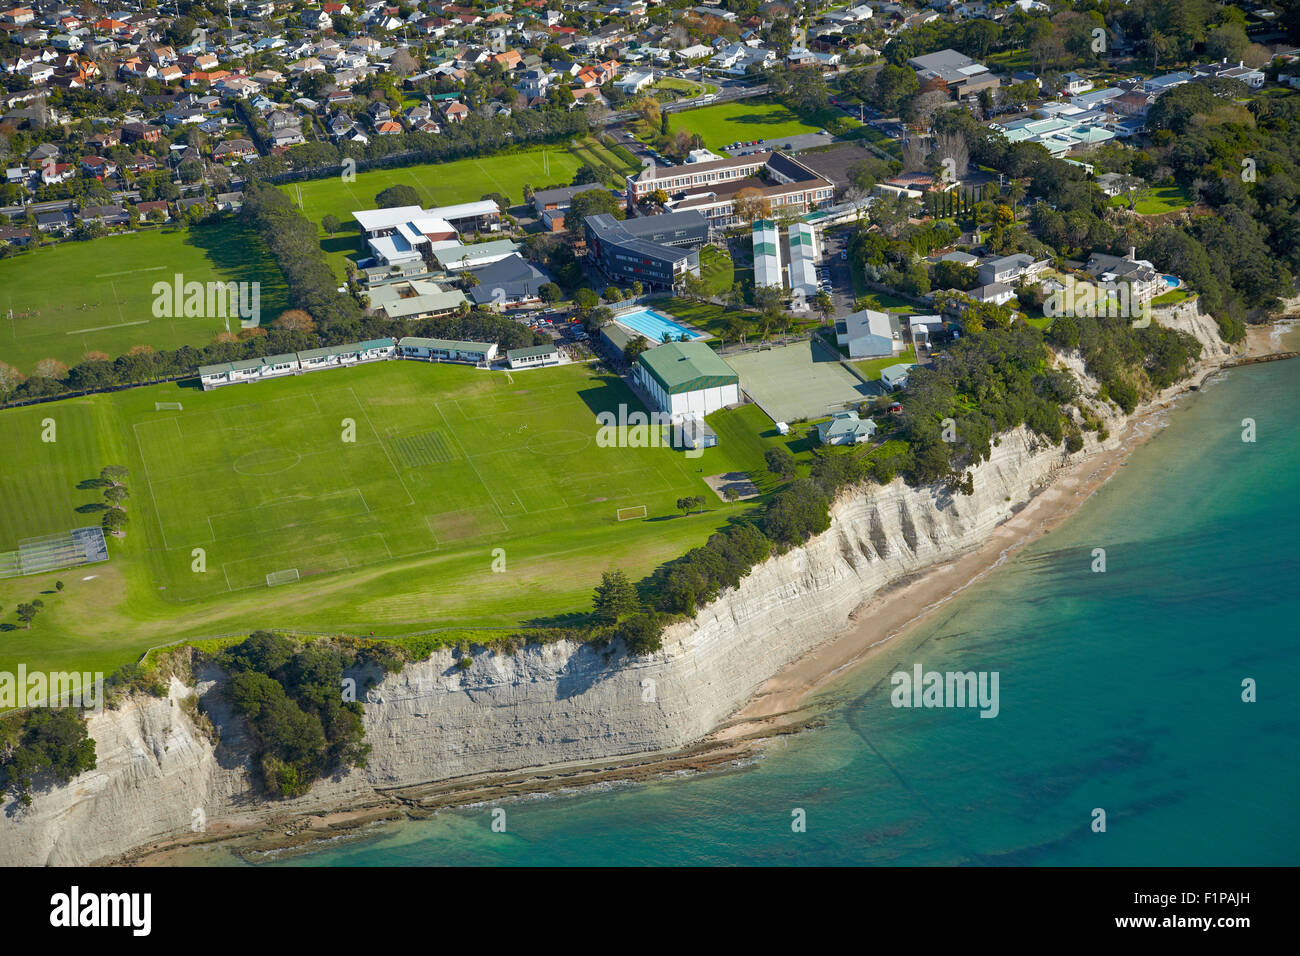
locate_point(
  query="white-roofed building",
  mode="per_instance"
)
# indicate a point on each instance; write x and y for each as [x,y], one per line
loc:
[867,334]
[767,255]
[481,216]
[803,261]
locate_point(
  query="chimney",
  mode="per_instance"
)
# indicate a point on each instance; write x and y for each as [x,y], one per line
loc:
[1132,252]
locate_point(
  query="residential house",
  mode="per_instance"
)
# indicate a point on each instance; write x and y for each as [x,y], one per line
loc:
[845,428]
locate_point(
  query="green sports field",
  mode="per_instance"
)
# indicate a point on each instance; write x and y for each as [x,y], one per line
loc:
[743,120]
[66,300]
[393,531]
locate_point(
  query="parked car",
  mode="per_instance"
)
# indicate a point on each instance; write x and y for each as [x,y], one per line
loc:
[844,253]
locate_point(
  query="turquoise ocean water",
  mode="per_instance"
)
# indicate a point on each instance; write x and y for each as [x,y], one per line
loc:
[1118,690]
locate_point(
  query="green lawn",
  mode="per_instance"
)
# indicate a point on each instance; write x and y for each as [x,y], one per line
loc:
[685,88]
[744,120]
[881,301]
[717,270]
[1172,297]
[1153,202]
[65,300]
[872,368]
[394,532]
[715,318]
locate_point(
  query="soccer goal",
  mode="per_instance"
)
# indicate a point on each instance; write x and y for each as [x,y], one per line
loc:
[167,407]
[281,577]
[632,513]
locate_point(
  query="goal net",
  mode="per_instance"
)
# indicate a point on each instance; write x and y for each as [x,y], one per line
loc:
[167,407]
[628,514]
[281,577]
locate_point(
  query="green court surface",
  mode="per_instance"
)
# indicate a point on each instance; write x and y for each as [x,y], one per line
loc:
[389,489]
[803,380]
[65,300]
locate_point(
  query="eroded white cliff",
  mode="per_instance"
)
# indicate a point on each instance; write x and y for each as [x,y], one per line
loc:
[159,777]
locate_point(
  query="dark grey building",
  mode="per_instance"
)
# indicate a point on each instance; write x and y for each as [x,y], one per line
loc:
[508,283]
[654,250]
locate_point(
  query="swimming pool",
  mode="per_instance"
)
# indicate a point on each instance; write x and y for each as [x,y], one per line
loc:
[1172,282]
[653,325]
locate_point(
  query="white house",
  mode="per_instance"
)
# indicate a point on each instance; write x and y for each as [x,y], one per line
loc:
[635,82]
[846,428]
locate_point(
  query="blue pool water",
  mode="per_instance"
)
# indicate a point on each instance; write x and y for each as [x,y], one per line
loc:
[653,325]
[1172,281]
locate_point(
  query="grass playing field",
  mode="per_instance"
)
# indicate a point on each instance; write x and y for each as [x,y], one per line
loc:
[66,300]
[394,531]
[745,120]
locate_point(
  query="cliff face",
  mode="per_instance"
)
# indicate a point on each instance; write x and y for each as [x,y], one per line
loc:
[159,777]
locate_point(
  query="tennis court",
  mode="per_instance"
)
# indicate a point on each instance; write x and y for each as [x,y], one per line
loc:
[804,380]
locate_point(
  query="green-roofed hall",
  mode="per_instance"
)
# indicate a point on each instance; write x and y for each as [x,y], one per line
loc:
[687,379]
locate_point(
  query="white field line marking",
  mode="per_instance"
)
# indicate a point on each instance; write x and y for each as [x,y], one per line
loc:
[102,328]
[374,431]
[113,288]
[149,481]
[497,504]
[130,272]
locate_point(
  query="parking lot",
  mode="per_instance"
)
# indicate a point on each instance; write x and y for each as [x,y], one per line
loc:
[788,144]
[835,265]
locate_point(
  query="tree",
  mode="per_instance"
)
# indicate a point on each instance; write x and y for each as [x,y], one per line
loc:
[586,173]
[399,195]
[26,613]
[58,585]
[824,304]
[634,348]
[116,494]
[779,462]
[549,293]
[590,202]
[115,473]
[586,299]
[294,320]
[751,204]
[331,224]
[694,287]
[641,634]
[114,520]
[615,597]
[690,503]
[731,494]
[402,62]
[612,293]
